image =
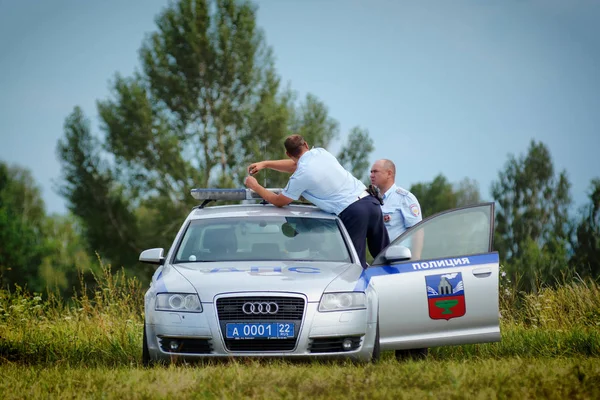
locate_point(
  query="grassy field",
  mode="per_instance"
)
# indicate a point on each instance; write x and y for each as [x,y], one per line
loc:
[91,348]
[564,378]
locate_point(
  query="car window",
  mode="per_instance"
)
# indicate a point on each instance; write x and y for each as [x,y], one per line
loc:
[455,233]
[262,239]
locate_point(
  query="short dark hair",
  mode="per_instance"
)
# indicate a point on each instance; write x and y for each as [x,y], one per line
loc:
[293,145]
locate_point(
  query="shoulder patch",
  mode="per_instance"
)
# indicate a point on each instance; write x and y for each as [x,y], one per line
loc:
[414,209]
[401,191]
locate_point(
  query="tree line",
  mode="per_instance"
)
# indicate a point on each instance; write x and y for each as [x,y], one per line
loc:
[206,102]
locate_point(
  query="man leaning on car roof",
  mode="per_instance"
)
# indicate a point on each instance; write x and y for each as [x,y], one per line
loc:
[320,178]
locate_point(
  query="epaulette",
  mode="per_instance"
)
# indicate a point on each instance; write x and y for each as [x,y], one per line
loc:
[401,191]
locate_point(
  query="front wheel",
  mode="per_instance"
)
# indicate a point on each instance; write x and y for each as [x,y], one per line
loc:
[376,346]
[145,353]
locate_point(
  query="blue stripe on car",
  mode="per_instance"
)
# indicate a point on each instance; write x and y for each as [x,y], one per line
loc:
[160,284]
[442,263]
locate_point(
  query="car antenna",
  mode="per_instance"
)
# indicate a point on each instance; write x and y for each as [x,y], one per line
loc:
[264,153]
[265,170]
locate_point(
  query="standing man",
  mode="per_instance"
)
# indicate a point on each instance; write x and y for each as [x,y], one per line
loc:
[319,178]
[401,209]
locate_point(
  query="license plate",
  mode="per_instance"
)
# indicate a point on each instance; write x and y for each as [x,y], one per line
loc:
[272,330]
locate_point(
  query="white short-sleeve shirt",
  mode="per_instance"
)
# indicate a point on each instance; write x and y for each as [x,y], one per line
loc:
[322,180]
[401,210]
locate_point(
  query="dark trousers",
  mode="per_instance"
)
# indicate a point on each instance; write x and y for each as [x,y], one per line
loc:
[363,219]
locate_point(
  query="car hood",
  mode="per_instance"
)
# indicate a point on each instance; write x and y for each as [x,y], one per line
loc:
[309,278]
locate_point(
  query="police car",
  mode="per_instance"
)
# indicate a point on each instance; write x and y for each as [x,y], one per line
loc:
[255,280]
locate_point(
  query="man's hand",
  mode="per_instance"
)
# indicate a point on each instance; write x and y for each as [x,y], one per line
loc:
[251,183]
[278,200]
[254,168]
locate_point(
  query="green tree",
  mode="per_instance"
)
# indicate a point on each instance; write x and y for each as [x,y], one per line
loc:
[66,258]
[205,104]
[94,195]
[435,196]
[38,251]
[441,195]
[311,120]
[467,192]
[532,217]
[21,217]
[586,246]
[354,156]
[278,116]
[267,128]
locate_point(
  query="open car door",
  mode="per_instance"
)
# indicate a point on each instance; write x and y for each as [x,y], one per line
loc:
[437,283]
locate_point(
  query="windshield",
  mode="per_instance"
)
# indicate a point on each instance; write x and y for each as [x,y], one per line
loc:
[262,239]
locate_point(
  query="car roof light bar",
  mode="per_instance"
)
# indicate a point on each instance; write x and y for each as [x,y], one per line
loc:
[228,194]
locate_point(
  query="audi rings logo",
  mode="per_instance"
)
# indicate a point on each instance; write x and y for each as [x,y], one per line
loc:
[260,308]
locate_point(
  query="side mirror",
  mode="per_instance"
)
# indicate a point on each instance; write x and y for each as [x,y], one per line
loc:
[397,254]
[153,256]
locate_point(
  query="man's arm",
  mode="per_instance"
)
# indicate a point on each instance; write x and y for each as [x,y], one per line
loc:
[417,244]
[411,211]
[278,200]
[286,165]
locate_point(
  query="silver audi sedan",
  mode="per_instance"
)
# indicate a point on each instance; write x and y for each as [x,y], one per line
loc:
[254,280]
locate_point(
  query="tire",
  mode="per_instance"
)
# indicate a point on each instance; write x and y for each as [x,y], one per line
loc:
[411,354]
[146,362]
[376,346]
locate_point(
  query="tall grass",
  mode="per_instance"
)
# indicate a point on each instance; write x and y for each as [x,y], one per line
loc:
[554,322]
[576,303]
[102,326]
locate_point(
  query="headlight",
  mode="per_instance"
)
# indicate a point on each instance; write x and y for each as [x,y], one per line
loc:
[342,301]
[178,302]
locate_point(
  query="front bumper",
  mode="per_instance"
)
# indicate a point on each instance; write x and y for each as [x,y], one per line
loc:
[177,335]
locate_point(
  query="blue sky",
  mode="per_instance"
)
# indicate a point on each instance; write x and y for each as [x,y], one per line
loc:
[448,87]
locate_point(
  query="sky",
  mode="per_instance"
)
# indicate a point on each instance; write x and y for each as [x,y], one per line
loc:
[450,87]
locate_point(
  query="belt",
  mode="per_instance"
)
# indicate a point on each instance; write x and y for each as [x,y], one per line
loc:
[360,196]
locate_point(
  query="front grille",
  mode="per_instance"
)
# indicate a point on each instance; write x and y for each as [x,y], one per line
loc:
[333,345]
[260,344]
[185,345]
[230,308]
[291,310]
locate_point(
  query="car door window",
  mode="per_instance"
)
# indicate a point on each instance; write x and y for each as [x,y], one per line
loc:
[456,232]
